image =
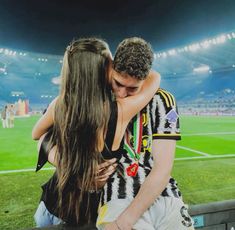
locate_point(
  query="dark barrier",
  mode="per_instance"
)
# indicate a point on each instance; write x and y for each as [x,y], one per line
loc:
[214,216]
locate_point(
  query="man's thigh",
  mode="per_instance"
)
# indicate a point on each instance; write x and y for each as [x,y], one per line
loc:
[169,213]
[110,212]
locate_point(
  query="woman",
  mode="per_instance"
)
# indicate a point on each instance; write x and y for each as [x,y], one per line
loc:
[86,122]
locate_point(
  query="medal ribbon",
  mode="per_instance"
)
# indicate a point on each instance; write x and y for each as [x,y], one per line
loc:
[134,151]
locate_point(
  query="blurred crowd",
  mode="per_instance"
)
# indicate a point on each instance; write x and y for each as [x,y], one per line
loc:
[8,116]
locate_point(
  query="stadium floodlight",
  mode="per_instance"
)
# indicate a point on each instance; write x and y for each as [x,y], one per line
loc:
[172,52]
[201,69]
[221,39]
[186,48]
[164,54]
[229,36]
[56,80]
[2,70]
[17,93]
[194,47]
[205,44]
[181,50]
[6,51]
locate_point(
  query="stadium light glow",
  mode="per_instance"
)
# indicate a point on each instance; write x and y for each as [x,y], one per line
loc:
[201,69]
[164,54]
[197,46]
[172,52]
[194,47]
[3,70]
[56,80]
[205,44]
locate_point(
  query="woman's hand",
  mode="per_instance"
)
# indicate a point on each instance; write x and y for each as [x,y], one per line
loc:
[105,169]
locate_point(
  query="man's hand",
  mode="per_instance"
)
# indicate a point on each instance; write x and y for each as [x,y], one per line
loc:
[116,226]
[105,169]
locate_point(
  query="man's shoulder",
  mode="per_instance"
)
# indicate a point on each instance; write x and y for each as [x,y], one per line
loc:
[164,97]
[161,90]
[163,94]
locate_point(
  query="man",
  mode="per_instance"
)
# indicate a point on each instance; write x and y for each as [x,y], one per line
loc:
[4,117]
[147,197]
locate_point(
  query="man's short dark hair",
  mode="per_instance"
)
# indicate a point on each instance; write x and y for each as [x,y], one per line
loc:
[134,56]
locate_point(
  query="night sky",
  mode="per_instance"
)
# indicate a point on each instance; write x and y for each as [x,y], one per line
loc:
[47,26]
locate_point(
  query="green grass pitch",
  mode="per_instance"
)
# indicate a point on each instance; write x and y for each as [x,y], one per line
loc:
[204,166]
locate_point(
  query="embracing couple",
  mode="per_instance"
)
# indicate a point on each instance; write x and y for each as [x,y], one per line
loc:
[111,134]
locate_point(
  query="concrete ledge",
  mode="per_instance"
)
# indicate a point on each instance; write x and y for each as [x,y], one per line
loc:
[214,216]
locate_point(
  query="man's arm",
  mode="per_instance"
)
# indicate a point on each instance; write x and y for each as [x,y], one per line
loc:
[163,155]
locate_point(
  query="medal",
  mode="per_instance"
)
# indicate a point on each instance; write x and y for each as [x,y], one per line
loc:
[132,169]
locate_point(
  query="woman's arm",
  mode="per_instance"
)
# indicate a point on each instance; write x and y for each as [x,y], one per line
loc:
[129,106]
[155,183]
[45,122]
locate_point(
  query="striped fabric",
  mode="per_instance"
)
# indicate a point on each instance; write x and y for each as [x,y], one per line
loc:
[160,121]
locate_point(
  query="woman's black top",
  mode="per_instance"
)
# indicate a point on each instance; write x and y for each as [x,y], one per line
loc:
[50,192]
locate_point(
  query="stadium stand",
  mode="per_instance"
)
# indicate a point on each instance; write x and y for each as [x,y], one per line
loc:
[200,75]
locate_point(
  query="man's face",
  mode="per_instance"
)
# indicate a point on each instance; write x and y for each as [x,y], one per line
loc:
[125,85]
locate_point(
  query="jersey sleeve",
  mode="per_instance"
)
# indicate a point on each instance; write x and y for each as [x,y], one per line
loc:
[166,118]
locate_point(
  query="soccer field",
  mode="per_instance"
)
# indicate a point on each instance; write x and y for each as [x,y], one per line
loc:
[204,166]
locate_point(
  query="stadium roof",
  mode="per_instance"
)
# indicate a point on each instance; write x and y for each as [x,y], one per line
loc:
[48,26]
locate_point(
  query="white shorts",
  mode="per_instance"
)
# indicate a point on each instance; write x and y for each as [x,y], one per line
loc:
[166,213]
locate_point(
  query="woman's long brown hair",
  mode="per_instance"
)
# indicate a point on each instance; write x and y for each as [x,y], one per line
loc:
[81,115]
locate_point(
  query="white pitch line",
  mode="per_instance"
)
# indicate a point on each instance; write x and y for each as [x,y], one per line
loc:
[176,159]
[204,157]
[193,150]
[23,170]
[208,134]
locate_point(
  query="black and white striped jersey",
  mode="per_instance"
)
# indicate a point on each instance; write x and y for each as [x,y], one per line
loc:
[159,120]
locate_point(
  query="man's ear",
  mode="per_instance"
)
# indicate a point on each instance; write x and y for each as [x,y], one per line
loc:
[110,72]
